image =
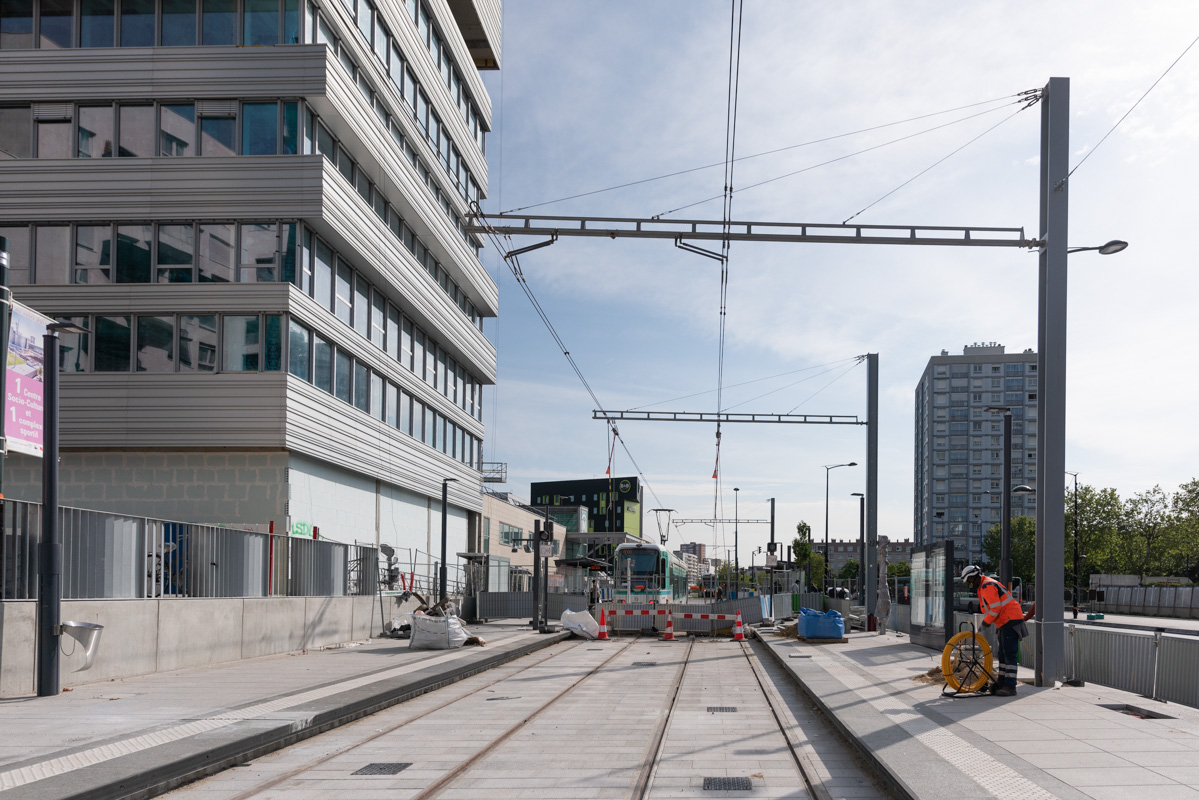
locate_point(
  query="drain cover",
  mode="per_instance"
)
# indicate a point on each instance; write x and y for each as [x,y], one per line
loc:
[489,699]
[728,784]
[382,769]
[645,663]
[722,709]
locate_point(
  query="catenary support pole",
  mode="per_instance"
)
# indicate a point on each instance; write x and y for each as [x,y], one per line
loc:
[1051,369]
[871,482]
[49,587]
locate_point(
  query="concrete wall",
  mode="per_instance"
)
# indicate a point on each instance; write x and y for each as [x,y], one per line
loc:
[221,488]
[142,637]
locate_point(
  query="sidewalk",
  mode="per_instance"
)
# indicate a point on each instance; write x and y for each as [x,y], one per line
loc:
[1042,743]
[116,738]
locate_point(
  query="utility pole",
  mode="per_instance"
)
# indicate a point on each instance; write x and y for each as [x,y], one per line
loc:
[1075,593]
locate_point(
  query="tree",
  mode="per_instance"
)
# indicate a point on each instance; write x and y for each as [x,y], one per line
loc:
[900,569]
[850,570]
[1148,532]
[1185,507]
[1023,548]
[1099,512]
[817,570]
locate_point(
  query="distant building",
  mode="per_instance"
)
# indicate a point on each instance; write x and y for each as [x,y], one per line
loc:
[614,504]
[693,566]
[842,550]
[958,469]
[697,549]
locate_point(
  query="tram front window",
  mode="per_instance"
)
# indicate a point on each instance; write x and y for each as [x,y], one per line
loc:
[641,568]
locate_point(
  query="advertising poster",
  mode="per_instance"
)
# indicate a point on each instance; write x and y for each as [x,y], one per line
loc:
[23,383]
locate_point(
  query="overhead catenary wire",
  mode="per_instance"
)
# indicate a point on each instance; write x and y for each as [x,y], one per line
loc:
[939,161]
[1126,113]
[848,369]
[736,16]
[744,383]
[514,266]
[771,152]
[863,151]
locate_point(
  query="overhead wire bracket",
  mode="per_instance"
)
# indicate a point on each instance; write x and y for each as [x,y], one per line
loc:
[522,250]
[690,248]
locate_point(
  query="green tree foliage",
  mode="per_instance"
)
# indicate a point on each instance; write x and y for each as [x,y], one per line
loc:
[817,569]
[900,569]
[850,570]
[1023,545]
[1148,532]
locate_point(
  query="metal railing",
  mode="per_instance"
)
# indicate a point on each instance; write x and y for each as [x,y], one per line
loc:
[107,555]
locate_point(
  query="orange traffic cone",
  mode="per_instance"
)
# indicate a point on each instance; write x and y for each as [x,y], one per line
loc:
[603,626]
[669,635]
[738,629]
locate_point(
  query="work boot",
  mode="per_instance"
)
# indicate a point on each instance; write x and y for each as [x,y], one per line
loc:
[993,687]
[1005,691]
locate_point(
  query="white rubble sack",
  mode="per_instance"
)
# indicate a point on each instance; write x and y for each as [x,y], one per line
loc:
[436,633]
[580,622]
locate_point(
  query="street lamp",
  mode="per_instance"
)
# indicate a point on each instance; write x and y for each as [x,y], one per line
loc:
[736,543]
[49,586]
[862,571]
[1074,594]
[1114,246]
[828,468]
[445,489]
[1005,509]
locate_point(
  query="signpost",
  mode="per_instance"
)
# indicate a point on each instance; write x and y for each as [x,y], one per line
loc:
[24,394]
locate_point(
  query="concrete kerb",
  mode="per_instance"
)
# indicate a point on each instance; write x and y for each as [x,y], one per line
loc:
[168,766]
[893,783]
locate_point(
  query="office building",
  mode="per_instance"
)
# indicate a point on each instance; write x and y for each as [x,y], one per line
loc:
[257,212]
[614,504]
[958,471]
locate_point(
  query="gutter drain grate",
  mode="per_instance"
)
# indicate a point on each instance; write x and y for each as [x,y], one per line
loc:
[384,768]
[722,709]
[727,785]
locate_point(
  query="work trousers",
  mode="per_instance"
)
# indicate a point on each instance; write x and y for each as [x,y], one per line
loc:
[1009,643]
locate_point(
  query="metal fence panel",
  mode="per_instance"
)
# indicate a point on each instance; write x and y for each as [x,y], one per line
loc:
[563,602]
[113,556]
[505,605]
[1119,659]
[1178,670]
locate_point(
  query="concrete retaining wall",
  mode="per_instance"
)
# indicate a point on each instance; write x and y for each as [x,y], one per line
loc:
[142,637]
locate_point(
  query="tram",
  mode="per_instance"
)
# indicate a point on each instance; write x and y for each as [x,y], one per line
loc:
[648,573]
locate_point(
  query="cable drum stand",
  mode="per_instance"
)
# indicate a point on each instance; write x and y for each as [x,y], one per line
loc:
[969,651]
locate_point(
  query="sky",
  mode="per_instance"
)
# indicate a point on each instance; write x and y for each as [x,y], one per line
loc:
[593,95]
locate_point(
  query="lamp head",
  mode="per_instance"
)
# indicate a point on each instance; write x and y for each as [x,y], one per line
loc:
[1114,246]
[1023,489]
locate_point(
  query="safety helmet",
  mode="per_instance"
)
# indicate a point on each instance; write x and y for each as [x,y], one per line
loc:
[971,571]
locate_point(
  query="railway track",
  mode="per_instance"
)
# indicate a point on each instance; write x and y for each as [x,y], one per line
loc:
[631,718]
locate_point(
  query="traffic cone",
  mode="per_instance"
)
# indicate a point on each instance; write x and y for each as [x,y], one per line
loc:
[669,635]
[603,626]
[738,629]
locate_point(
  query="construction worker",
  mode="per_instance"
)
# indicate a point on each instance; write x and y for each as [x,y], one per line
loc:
[1000,609]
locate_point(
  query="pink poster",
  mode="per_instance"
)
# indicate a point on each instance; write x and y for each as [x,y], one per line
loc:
[23,384]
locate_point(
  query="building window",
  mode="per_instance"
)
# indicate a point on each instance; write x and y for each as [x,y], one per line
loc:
[197,343]
[113,342]
[155,344]
[298,340]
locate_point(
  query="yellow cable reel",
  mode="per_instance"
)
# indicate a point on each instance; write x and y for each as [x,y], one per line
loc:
[966,662]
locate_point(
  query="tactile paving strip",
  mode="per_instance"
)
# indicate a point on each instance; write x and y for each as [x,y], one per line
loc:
[996,778]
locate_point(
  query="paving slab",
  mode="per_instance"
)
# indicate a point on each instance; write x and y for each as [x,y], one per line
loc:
[137,737]
[1043,743]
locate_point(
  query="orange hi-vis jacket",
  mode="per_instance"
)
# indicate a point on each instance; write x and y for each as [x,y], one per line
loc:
[997,604]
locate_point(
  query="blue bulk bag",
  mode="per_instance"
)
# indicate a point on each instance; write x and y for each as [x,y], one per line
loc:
[826,626]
